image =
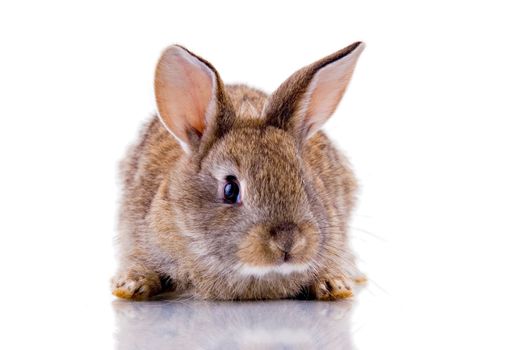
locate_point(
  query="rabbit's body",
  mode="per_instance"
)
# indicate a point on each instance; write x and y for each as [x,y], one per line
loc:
[284,235]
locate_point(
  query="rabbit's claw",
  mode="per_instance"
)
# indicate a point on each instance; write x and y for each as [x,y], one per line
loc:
[333,288]
[135,286]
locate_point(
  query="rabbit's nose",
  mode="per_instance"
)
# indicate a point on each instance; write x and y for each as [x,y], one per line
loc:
[284,235]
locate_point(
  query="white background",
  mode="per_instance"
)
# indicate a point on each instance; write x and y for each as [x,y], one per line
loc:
[433,123]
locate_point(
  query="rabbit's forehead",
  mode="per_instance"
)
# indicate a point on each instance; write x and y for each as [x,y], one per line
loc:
[251,149]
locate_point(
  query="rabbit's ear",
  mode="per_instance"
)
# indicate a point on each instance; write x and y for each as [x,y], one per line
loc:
[190,96]
[305,101]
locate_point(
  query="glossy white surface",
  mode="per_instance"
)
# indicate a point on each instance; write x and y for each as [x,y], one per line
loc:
[225,325]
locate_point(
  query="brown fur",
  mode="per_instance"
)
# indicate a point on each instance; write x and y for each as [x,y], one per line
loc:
[176,234]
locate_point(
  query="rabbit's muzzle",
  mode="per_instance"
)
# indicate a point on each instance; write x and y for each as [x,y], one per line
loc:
[282,243]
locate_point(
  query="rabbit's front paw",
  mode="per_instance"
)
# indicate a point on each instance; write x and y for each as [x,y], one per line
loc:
[136,285]
[333,288]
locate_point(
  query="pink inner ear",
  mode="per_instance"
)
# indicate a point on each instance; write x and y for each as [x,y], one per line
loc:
[184,87]
[326,90]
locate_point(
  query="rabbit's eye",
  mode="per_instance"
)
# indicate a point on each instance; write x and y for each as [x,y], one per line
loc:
[231,190]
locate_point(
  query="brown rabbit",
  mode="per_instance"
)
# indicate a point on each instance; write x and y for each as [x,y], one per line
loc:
[234,194]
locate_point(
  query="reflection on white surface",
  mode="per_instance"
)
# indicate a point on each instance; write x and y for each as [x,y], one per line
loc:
[189,324]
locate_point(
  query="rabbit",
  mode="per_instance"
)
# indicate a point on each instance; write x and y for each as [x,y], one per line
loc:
[233,194]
